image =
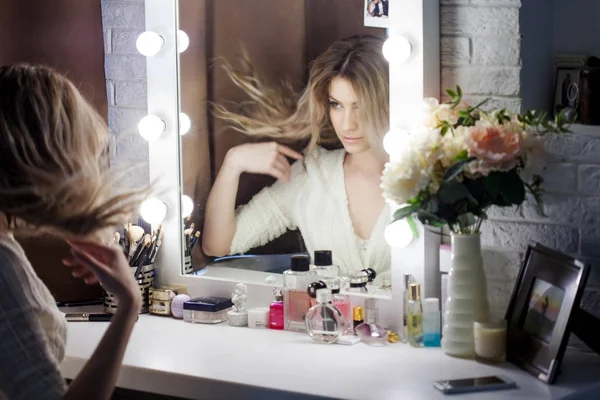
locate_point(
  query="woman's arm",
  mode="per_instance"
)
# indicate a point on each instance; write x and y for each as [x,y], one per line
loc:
[220,222]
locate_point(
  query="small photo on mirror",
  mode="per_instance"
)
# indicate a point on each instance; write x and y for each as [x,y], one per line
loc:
[376,13]
[543,309]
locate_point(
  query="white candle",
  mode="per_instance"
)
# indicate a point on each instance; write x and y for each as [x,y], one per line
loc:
[490,341]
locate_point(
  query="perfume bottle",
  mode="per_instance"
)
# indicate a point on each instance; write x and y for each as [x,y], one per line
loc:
[295,297]
[431,322]
[358,280]
[340,301]
[405,283]
[414,316]
[323,265]
[358,317]
[276,313]
[324,322]
[369,332]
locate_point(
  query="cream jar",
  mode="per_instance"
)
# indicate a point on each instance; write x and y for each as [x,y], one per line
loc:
[160,301]
[206,310]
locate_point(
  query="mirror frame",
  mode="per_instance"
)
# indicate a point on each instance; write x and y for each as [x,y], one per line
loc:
[410,82]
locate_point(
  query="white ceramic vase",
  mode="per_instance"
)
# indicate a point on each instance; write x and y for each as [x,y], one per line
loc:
[466,299]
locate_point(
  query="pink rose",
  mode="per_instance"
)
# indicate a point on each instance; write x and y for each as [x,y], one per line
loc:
[496,147]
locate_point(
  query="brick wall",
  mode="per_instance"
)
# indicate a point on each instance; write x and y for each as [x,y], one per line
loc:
[481,51]
[123,21]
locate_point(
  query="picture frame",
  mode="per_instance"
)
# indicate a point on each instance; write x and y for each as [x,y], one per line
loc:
[547,292]
[376,13]
[566,91]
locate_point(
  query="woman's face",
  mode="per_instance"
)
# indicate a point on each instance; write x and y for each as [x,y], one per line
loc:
[343,112]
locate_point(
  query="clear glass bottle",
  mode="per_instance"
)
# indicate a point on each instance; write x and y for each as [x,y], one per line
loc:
[415,316]
[404,332]
[296,300]
[431,322]
[323,265]
[369,332]
[341,301]
[359,280]
[324,322]
[276,311]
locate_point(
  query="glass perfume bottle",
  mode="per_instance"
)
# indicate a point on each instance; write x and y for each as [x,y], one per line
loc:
[276,313]
[323,265]
[359,280]
[415,316]
[341,301]
[324,322]
[404,331]
[295,297]
[431,322]
[369,332]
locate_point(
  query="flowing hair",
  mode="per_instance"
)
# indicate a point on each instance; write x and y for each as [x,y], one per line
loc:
[54,173]
[285,116]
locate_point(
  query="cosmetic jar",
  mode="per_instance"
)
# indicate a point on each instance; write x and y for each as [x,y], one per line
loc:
[177,305]
[206,310]
[258,317]
[160,301]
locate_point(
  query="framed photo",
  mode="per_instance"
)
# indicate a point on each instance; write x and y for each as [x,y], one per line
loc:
[548,290]
[376,13]
[566,89]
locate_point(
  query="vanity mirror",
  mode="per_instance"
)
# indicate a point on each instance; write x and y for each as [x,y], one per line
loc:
[311,77]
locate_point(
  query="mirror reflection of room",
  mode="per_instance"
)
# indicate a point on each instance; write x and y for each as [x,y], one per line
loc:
[285,153]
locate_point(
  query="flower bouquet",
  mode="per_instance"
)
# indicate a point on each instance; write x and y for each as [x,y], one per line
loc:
[458,163]
[461,160]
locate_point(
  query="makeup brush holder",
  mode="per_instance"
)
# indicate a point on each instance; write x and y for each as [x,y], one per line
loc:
[145,280]
[188,267]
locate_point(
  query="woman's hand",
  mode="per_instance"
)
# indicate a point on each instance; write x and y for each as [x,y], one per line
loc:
[94,262]
[262,158]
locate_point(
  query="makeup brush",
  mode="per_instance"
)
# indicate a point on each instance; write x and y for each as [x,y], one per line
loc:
[126,237]
[146,241]
[136,233]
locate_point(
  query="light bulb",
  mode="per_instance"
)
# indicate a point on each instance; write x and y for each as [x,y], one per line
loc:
[398,234]
[395,141]
[151,127]
[149,43]
[153,211]
[187,206]
[396,49]
[184,123]
[183,41]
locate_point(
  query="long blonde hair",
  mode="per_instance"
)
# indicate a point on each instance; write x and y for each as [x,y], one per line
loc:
[281,114]
[54,173]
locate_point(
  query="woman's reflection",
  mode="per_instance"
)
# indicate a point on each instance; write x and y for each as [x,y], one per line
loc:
[332,196]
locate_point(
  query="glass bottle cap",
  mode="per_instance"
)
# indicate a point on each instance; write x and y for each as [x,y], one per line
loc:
[324,296]
[358,314]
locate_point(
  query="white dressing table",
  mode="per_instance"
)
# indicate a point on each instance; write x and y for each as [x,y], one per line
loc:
[171,357]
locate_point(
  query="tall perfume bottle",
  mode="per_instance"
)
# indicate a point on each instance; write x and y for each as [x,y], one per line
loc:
[296,300]
[323,265]
[404,331]
[276,312]
[324,322]
[341,301]
[415,316]
[431,322]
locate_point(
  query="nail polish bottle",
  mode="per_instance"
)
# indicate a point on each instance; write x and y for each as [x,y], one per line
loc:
[296,300]
[276,312]
[324,322]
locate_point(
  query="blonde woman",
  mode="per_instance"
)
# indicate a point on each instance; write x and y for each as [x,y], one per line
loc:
[332,197]
[52,179]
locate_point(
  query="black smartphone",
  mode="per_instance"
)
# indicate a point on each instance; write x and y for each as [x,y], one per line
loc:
[470,385]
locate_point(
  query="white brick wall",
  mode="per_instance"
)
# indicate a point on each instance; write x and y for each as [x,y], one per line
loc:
[123,21]
[481,52]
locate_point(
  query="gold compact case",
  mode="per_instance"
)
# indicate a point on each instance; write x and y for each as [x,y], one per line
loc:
[160,301]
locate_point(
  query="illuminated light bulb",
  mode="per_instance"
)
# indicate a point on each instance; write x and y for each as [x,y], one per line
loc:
[151,127]
[187,206]
[184,124]
[395,141]
[396,49]
[153,211]
[398,234]
[149,43]
[183,41]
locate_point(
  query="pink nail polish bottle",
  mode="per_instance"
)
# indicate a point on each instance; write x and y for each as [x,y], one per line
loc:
[276,315]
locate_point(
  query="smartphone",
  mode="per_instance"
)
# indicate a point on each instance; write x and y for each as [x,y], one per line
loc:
[470,385]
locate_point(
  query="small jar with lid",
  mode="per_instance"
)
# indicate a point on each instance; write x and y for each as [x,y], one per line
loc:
[160,301]
[358,281]
[206,310]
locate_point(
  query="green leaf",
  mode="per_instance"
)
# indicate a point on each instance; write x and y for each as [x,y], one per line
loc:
[459,90]
[462,156]
[451,93]
[405,212]
[456,169]
[444,130]
[413,226]
[451,192]
[430,219]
